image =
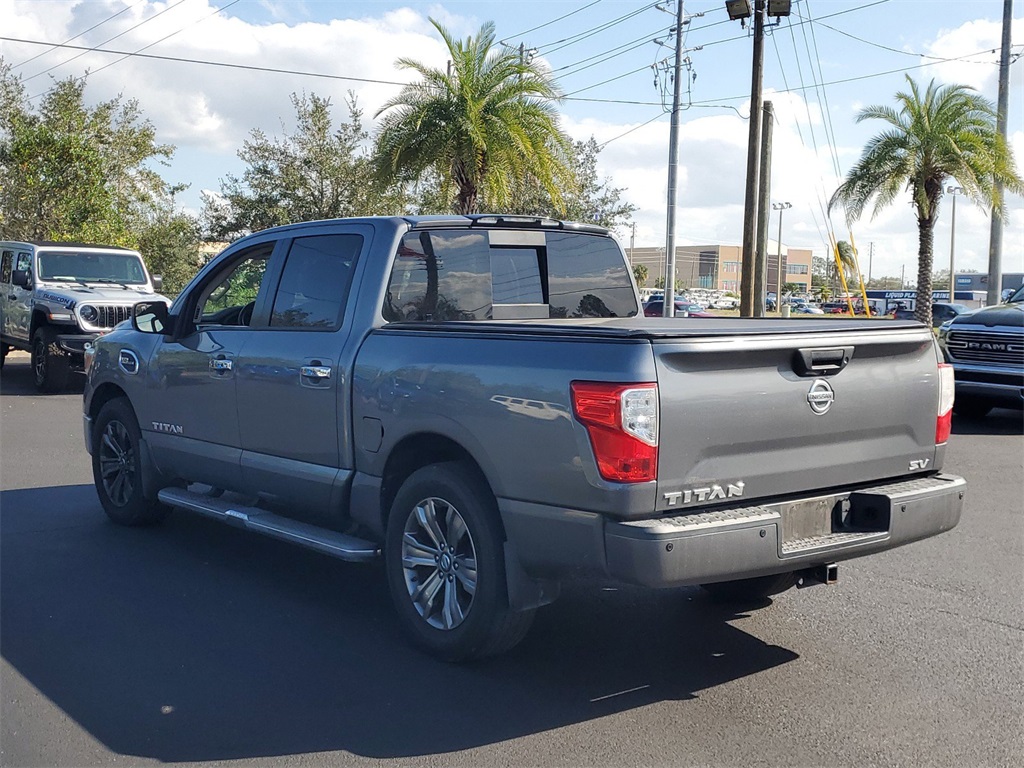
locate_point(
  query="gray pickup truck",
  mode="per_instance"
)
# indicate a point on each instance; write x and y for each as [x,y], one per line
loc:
[986,349]
[479,401]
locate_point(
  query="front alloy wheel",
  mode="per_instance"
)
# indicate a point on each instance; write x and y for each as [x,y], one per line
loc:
[439,563]
[117,467]
[117,463]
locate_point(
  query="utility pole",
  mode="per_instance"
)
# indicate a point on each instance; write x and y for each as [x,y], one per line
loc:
[753,146]
[764,182]
[954,191]
[871,256]
[780,207]
[673,170]
[995,242]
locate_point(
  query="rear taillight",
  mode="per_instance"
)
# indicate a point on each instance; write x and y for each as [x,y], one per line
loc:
[947,385]
[622,421]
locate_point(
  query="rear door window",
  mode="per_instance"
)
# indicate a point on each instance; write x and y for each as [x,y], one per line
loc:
[488,274]
[6,266]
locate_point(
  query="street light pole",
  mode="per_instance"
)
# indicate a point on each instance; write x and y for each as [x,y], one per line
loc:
[669,307]
[954,191]
[780,207]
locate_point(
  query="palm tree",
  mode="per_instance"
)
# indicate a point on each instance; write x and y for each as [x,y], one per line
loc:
[484,125]
[948,132]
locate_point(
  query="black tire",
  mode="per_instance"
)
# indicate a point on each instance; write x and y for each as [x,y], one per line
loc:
[443,522]
[971,407]
[4,349]
[750,590]
[117,469]
[51,365]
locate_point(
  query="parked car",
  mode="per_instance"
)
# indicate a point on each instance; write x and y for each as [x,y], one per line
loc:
[655,308]
[941,312]
[57,297]
[834,307]
[409,390]
[806,309]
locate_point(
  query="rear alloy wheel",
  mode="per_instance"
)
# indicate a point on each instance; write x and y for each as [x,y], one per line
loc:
[445,562]
[50,363]
[116,467]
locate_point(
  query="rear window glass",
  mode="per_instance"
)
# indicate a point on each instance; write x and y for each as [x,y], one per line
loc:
[461,275]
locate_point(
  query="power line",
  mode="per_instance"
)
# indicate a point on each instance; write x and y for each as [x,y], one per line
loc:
[609,54]
[568,97]
[204,62]
[588,33]
[549,23]
[167,37]
[109,39]
[604,144]
[83,32]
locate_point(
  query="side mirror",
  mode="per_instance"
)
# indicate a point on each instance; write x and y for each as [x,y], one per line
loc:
[152,317]
[22,278]
[158,282]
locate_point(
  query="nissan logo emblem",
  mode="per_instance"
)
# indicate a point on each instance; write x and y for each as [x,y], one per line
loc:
[820,397]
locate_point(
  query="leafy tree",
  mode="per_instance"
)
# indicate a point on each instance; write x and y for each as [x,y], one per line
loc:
[169,243]
[317,172]
[588,199]
[483,127]
[73,172]
[640,274]
[847,260]
[947,132]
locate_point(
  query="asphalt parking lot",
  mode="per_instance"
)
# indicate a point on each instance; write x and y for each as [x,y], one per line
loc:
[198,643]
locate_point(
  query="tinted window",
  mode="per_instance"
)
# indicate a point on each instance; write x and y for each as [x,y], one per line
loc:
[24,262]
[230,296]
[459,275]
[515,276]
[6,266]
[315,282]
[440,276]
[587,277]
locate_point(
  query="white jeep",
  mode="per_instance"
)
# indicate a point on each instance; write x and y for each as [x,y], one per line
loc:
[57,297]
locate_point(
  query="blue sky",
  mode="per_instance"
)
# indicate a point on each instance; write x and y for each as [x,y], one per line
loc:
[823,64]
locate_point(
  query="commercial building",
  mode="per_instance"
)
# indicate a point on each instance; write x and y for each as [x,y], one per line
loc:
[717,267]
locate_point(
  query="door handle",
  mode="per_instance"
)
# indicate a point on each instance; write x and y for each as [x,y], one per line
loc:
[221,364]
[316,371]
[12,296]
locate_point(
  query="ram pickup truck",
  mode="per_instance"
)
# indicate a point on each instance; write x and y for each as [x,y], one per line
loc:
[478,401]
[986,349]
[57,297]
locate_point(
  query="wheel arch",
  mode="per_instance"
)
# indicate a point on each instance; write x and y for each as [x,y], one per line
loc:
[414,452]
[102,395]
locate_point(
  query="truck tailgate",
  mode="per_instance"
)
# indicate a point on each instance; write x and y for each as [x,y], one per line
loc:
[754,416]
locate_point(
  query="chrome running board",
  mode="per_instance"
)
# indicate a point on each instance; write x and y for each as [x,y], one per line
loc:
[258,520]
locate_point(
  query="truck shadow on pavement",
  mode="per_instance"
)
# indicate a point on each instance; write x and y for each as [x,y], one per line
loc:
[197,642]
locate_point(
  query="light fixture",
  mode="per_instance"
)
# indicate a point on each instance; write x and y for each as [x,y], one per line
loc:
[737,9]
[778,8]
